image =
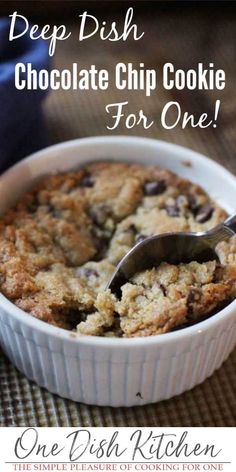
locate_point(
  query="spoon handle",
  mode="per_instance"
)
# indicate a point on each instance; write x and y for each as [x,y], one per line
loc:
[230,222]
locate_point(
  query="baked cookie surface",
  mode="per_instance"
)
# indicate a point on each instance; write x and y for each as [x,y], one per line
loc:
[61,242]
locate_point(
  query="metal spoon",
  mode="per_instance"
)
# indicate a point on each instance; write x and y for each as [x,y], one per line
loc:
[173,248]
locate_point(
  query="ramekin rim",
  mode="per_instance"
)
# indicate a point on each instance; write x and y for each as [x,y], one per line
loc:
[106,138]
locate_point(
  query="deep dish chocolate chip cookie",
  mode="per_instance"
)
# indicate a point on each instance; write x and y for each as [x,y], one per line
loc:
[61,242]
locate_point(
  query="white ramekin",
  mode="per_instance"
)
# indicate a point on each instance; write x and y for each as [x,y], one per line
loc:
[117,372]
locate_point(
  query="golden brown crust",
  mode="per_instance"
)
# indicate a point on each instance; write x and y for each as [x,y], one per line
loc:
[160,299]
[60,244]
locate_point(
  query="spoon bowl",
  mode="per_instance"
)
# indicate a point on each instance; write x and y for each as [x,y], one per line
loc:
[173,248]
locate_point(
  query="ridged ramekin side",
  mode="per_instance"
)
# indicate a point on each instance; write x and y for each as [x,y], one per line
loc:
[101,375]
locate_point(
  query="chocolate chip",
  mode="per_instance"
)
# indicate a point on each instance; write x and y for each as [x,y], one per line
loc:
[131,229]
[204,213]
[163,289]
[54,212]
[88,272]
[86,181]
[194,295]
[172,210]
[154,188]
[102,243]
[100,240]
[99,214]
[192,203]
